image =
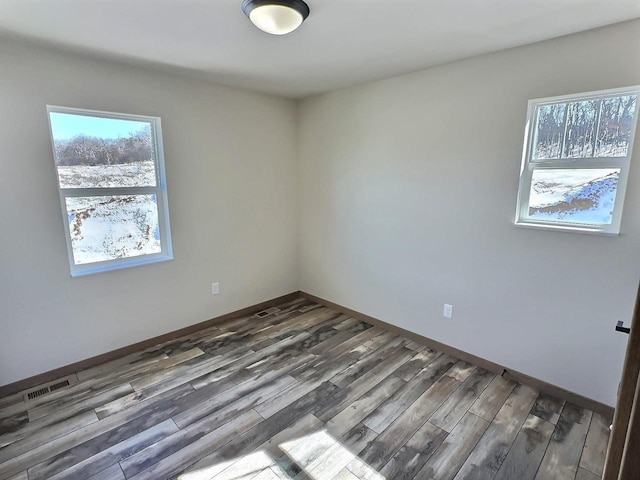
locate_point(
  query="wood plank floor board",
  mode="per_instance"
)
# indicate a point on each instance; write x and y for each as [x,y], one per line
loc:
[160,406]
[360,339]
[156,468]
[247,467]
[251,323]
[491,400]
[378,453]
[318,334]
[382,339]
[486,458]
[322,373]
[108,380]
[461,370]
[563,454]
[107,457]
[595,447]
[454,407]
[332,342]
[157,383]
[11,400]
[403,398]
[363,471]
[95,446]
[302,428]
[245,360]
[367,363]
[450,456]
[524,457]
[358,410]
[297,324]
[192,432]
[586,475]
[314,454]
[46,435]
[199,374]
[345,474]
[412,456]
[416,346]
[20,476]
[250,392]
[64,416]
[143,371]
[347,323]
[112,473]
[416,364]
[329,464]
[107,368]
[358,438]
[347,353]
[342,336]
[305,393]
[548,408]
[265,429]
[363,384]
[204,399]
[167,367]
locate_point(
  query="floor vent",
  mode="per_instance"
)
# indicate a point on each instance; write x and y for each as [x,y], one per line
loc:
[59,385]
[49,388]
[38,393]
[267,312]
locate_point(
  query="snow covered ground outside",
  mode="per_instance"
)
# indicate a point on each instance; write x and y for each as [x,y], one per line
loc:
[105,228]
[139,174]
[574,195]
[109,227]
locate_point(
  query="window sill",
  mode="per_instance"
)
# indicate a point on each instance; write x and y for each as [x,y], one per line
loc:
[91,269]
[566,228]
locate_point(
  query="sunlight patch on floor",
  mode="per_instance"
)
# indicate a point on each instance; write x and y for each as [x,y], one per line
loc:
[318,455]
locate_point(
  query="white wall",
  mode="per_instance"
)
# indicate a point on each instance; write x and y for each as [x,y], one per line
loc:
[230,158]
[408,190]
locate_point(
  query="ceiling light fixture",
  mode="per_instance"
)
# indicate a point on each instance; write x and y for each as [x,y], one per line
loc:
[276,17]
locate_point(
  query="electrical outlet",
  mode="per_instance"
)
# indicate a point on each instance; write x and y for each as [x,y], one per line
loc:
[215,288]
[447,312]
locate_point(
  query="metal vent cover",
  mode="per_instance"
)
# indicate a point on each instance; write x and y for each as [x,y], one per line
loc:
[59,385]
[38,393]
[50,387]
[267,312]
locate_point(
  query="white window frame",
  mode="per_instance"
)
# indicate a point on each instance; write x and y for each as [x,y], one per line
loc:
[160,190]
[529,163]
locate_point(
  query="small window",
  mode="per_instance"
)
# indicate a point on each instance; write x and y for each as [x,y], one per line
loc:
[112,187]
[577,152]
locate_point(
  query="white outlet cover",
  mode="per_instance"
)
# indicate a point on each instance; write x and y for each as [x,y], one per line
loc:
[447,311]
[215,288]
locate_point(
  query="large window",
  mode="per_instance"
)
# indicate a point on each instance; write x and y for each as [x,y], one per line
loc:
[112,188]
[577,152]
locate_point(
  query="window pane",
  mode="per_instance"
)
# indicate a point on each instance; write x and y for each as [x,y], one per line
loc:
[549,131]
[615,127]
[110,227]
[580,131]
[95,152]
[574,195]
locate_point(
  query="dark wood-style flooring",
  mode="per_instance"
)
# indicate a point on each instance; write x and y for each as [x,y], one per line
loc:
[306,393]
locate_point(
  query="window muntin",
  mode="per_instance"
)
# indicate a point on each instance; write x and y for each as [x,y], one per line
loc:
[111,181]
[576,160]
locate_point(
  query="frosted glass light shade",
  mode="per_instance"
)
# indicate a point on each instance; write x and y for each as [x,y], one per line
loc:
[277,17]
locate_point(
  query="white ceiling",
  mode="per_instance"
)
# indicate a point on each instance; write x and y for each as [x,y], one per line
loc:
[342,43]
